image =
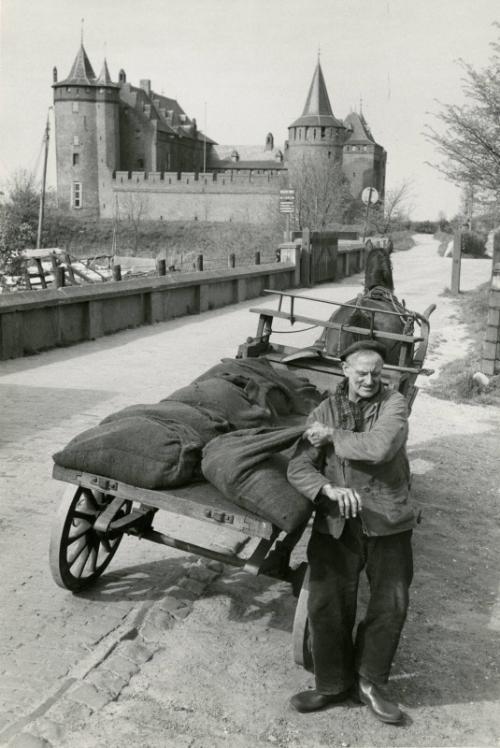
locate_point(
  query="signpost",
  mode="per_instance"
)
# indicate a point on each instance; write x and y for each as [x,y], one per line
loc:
[370,197]
[287,206]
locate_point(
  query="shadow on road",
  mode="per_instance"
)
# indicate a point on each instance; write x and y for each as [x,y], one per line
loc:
[28,410]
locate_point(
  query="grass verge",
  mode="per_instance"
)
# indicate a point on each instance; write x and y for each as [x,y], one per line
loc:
[455,381]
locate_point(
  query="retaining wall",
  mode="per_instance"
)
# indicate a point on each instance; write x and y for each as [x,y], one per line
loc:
[33,321]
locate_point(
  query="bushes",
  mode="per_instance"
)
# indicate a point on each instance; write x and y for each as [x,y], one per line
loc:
[474,243]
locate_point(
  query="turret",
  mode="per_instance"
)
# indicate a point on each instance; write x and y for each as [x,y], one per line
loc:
[316,133]
[364,160]
[87,135]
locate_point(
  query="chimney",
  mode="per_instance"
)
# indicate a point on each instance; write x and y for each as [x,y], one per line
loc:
[145,84]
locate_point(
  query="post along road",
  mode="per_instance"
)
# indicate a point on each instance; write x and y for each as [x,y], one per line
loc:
[47,399]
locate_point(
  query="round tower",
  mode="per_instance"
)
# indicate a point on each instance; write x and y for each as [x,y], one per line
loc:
[316,133]
[87,136]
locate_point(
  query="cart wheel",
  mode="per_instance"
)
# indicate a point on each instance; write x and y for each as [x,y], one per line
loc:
[78,555]
[301,636]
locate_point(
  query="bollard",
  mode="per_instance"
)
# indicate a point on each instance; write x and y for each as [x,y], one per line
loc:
[199,262]
[257,258]
[161,266]
[455,263]
[117,272]
[59,277]
[231,260]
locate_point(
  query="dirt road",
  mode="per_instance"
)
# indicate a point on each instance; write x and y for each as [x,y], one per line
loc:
[221,672]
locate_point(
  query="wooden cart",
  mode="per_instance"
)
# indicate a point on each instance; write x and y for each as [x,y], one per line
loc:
[97,511]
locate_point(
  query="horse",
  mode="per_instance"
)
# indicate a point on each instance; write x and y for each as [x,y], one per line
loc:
[378,295]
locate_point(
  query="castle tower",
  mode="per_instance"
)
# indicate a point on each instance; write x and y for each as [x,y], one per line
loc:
[364,160]
[317,133]
[87,136]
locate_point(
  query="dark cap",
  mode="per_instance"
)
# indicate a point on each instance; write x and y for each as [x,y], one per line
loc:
[364,345]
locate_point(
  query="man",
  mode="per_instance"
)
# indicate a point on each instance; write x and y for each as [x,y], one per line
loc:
[352,464]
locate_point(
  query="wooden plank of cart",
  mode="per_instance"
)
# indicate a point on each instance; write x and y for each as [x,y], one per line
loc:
[96,511]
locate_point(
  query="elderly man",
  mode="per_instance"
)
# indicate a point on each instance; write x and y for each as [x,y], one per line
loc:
[352,464]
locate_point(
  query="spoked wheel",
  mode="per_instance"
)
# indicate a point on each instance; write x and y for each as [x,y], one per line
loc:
[78,554]
[302,653]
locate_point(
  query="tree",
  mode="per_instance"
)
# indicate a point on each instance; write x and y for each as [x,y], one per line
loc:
[393,213]
[468,138]
[134,207]
[322,194]
[18,221]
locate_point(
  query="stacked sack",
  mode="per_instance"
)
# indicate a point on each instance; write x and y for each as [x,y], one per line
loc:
[160,446]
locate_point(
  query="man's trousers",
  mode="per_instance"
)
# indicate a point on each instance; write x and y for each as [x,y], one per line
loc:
[335,566]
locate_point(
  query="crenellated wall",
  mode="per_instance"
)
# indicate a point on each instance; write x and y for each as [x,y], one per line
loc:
[223,196]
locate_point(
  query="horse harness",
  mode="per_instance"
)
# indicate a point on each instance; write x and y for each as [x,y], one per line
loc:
[380,293]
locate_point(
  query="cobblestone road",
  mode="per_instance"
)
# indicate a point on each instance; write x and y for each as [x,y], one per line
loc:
[50,636]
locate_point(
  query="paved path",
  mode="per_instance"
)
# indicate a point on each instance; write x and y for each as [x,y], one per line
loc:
[47,399]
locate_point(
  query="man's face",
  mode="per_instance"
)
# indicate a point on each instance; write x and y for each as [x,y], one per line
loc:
[363,369]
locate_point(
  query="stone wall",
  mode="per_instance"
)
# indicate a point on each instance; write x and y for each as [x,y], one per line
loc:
[245,197]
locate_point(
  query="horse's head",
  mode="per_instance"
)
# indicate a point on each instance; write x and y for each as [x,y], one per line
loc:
[378,270]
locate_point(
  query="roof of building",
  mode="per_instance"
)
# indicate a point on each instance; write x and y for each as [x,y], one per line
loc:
[104,76]
[360,131]
[248,153]
[245,165]
[168,113]
[149,105]
[81,72]
[317,109]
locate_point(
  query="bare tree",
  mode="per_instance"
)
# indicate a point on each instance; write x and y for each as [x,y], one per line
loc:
[322,194]
[133,207]
[467,138]
[393,213]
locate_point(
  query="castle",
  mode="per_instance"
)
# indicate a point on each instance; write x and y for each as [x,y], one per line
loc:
[122,148]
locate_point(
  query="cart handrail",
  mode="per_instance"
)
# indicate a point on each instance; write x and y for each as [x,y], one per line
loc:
[336,325]
[295,295]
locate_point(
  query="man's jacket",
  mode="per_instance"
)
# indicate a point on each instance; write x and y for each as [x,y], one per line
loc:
[373,461]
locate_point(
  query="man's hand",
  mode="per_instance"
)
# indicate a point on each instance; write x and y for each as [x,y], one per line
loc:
[348,499]
[318,434]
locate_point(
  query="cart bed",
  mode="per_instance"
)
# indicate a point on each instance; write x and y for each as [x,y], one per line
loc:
[198,500]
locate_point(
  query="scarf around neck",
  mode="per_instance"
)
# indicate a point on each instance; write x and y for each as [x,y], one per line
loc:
[347,414]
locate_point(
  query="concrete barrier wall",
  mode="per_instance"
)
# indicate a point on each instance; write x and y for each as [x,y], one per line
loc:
[33,321]
[36,321]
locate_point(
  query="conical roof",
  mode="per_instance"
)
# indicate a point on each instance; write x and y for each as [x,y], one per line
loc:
[317,109]
[81,72]
[360,131]
[104,76]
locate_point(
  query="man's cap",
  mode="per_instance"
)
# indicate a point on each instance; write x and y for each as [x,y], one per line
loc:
[364,345]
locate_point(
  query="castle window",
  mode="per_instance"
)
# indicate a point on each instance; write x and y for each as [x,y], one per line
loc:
[76,195]
[323,131]
[76,107]
[365,148]
[329,154]
[314,133]
[140,163]
[76,140]
[76,159]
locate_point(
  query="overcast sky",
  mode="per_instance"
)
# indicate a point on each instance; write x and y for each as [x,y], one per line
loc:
[251,62]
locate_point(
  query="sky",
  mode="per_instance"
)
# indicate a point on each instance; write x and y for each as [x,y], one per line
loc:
[243,68]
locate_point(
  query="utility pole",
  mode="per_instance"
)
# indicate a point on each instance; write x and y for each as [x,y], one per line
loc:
[205,140]
[44,179]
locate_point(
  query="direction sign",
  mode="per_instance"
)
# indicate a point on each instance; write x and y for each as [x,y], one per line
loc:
[287,201]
